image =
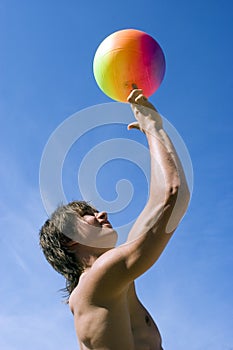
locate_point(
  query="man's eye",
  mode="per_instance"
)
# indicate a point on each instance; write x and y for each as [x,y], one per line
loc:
[91,213]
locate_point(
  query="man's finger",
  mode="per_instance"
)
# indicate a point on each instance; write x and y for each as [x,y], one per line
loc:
[133,95]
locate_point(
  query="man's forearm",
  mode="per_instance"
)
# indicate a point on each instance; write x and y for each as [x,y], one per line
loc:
[164,171]
[165,157]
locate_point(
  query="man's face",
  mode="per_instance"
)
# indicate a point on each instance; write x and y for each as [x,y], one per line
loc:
[93,229]
[98,219]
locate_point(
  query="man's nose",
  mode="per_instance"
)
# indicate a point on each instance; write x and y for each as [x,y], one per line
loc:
[101,216]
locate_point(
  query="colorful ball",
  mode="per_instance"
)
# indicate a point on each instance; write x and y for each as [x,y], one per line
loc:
[127,59]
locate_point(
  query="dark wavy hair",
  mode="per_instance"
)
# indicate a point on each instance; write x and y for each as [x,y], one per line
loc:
[54,242]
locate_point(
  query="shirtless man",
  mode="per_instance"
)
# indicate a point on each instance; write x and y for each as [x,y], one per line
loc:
[100,277]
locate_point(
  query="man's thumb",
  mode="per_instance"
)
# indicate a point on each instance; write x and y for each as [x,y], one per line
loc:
[134,125]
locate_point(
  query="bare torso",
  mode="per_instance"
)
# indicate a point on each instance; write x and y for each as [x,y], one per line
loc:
[104,323]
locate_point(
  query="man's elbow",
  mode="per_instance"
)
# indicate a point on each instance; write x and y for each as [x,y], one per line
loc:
[177,189]
[177,202]
[171,191]
[177,194]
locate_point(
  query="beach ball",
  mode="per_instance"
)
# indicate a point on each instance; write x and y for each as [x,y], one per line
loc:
[127,59]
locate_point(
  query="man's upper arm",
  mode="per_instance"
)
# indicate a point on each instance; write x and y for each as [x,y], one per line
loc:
[123,264]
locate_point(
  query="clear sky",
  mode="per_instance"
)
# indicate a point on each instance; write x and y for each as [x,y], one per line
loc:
[46,55]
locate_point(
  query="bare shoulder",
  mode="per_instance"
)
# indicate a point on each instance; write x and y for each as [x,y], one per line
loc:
[113,271]
[100,281]
[98,286]
[92,282]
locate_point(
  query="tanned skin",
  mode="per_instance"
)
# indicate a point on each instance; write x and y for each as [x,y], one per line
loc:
[107,312]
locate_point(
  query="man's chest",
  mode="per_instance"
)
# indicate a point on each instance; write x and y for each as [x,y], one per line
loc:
[124,323]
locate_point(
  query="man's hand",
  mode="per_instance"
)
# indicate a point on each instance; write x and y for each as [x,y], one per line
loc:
[145,113]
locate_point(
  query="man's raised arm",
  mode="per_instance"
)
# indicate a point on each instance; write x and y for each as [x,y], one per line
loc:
[167,203]
[168,184]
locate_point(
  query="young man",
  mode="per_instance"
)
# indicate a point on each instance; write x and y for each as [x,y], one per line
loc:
[79,242]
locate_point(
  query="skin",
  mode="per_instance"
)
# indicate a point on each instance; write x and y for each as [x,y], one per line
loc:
[107,312]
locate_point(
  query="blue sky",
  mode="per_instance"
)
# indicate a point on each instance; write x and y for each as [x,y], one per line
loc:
[46,55]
